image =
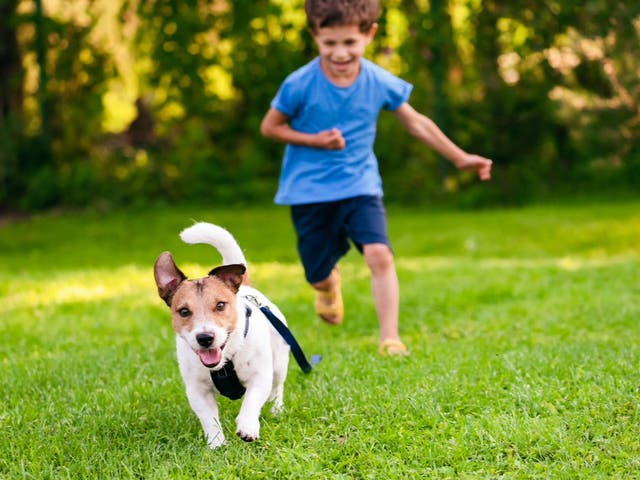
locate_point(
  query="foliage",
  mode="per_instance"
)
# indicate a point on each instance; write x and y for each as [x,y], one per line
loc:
[524,350]
[147,101]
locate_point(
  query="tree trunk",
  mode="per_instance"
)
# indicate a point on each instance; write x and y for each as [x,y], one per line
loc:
[10,62]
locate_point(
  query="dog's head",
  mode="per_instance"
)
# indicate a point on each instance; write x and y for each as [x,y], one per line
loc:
[203,311]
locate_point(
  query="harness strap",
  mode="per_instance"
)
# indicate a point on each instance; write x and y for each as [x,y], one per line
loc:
[226,379]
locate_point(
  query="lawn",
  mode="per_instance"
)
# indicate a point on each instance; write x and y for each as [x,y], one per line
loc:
[522,323]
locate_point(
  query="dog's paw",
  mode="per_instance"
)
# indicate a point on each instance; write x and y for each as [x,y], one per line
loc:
[215,439]
[277,407]
[247,437]
[248,431]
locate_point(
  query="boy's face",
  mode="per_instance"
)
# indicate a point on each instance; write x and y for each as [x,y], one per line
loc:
[341,47]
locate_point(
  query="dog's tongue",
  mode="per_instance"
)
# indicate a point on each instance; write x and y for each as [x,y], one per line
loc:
[211,357]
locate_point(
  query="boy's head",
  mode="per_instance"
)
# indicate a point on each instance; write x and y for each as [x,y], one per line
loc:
[331,13]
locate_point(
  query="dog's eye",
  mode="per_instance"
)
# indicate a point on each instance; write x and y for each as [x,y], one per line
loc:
[220,306]
[184,312]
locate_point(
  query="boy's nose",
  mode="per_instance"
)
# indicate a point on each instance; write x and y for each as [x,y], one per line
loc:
[340,52]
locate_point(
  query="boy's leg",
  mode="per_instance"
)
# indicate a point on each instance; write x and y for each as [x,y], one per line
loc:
[322,241]
[368,229]
[384,287]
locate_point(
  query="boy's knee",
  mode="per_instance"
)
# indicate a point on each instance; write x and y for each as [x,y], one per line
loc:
[378,256]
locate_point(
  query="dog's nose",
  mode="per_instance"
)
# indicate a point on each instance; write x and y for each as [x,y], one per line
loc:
[204,339]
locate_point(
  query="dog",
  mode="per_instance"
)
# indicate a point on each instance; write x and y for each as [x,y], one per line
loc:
[218,326]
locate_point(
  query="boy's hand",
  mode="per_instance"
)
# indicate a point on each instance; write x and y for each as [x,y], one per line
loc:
[330,139]
[479,164]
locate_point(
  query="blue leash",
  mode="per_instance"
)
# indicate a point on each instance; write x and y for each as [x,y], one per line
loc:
[285,333]
[288,337]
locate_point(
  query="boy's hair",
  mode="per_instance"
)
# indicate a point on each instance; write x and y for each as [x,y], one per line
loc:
[330,13]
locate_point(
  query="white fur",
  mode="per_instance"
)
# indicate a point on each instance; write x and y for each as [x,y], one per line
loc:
[217,237]
[261,359]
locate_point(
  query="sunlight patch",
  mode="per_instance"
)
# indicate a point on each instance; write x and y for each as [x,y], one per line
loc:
[73,293]
[564,263]
[75,287]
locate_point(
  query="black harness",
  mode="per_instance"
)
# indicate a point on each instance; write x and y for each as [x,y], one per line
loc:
[226,379]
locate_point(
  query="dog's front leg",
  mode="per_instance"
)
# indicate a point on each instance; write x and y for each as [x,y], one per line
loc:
[197,381]
[204,405]
[248,420]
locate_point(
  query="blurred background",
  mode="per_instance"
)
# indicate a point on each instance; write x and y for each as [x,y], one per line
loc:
[119,102]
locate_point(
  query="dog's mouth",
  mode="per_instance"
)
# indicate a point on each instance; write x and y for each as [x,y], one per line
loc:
[211,356]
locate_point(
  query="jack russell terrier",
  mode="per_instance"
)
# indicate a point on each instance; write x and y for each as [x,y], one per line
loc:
[225,345]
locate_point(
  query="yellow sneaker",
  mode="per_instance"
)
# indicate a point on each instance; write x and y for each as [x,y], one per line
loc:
[392,347]
[329,305]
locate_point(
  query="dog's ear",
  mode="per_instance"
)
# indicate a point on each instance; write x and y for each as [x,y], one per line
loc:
[168,276]
[231,275]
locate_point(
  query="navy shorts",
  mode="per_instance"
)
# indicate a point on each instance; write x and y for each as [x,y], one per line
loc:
[324,230]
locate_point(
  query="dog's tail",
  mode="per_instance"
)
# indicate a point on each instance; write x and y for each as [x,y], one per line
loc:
[217,237]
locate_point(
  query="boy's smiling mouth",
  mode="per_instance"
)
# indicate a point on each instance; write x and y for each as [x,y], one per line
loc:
[341,67]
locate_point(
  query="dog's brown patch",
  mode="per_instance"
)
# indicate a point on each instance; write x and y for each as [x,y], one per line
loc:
[207,299]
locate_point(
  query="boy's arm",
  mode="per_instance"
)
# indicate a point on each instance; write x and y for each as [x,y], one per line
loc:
[275,125]
[425,130]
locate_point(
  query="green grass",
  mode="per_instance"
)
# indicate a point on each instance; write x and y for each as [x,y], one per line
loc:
[523,327]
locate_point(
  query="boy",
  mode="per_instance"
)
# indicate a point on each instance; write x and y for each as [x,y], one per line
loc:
[326,112]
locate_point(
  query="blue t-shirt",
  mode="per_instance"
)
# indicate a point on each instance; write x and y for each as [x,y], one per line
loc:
[314,104]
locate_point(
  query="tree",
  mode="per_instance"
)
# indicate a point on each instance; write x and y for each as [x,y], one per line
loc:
[11,95]
[10,62]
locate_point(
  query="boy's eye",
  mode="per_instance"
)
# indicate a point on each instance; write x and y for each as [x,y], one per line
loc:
[220,306]
[184,312]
